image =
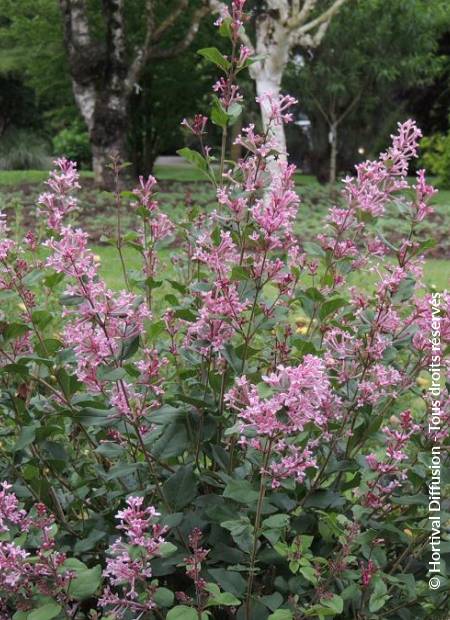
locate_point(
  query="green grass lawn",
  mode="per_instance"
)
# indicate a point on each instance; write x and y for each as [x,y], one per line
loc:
[436,272]
[180,184]
[181,173]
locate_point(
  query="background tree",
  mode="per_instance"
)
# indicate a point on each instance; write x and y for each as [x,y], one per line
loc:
[279,27]
[336,81]
[106,69]
[167,87]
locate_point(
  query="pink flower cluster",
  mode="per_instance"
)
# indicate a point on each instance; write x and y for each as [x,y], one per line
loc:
[59,201]
[23,575]
[377,181]
[277,107]
[156,225]
[390,470]
[6,244]
[194,562]
[236,19]
[128,568]
[228,92]
[220,317]
[101,321]
[302,396]
[275,213]
[197,126]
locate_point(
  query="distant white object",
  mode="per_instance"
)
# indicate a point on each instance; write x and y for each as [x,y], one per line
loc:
[304,123]
[170,160]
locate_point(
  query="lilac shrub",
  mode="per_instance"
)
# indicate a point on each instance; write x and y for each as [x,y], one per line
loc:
[243,431]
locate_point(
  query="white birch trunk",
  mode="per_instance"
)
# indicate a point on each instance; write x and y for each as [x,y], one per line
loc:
[270,84]
[333,152]
[272,44]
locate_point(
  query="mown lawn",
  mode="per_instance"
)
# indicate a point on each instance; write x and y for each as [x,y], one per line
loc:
[181,185]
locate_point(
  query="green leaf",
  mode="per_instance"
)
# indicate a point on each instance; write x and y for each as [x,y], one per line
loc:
[330,306]
[324,499]
[181,488]
[241,491]
[128,347]
[182,612]
[309,574]
[26,437]
[195,158]
[222,117]
[52,280]
[15,330]
[379,595]
[234,112]
[319,611]
[46,612]
[156,328]
[225,28]
[167,549]
[71,300]
[241,532]
[275,522]
[218,115]
[240,273]
[123,469]
[220,598]
[86,582]
[335,603]
[173,442]
[215,56]
[281,614]
[106,373]
[229,580]
[163,597]
[41,318]
[272,601]
[351,592]
[313,249]
[405,290]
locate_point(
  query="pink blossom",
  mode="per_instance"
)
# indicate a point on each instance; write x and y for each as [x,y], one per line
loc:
[70,254]
[161,227]
[198,124]
[292,465]
[131,574]
[301,395]
[219,318]
[276,212]
[276,107]
[404,147]
[236,205]
[423,194]
[57,203]
[257,144]
[194,562]
[9,509]
[228,92]
[145,192]
[244,55]
[367,573]
[6,244]
[218,256]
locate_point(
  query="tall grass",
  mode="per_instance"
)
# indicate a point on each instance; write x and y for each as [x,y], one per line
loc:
[22,149]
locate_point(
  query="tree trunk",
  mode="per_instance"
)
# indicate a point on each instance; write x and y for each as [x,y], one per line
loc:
[333,152]
[272,45]
[270,84]
[108,137]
